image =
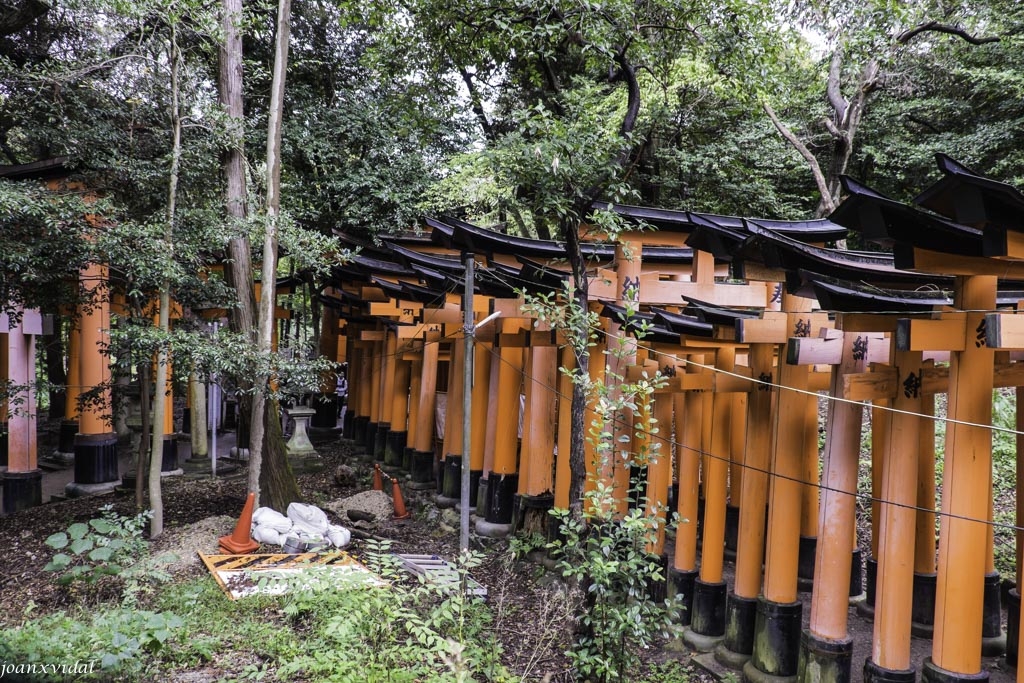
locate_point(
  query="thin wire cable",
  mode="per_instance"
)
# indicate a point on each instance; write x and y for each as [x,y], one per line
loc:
[619,422]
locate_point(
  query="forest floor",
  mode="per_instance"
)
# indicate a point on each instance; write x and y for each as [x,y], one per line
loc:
[532,624]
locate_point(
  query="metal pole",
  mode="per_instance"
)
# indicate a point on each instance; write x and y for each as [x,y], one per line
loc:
[213,414]
[467,403]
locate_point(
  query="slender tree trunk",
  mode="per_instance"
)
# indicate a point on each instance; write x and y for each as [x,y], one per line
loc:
[160,384]
[578,428]
[142,458]
[238,265]
[280,471]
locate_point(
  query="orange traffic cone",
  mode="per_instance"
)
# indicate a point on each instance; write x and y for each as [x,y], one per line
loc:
[378,482]
[399,502]
[240,542]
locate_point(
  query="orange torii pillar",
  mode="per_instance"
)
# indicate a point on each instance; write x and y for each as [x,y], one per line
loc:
[736,450]
[421,466]
[22,483]
[490,430]
[809,499]
[415,356]
[536,463]
[372,399]
[394,446]
[741,604]
[386,389]
[778,624]
[966,494]
[922,622]
[659,467]
[826,648]
[96,466]
[450,473]
[482,369]
[707,625]
[363,387]
[563,469]
[325,402]
[72,390]
[503,480]
[688,413]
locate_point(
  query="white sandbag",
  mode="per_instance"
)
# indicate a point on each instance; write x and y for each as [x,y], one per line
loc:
[338,535]
[268,517]
[268,535]
[307,519]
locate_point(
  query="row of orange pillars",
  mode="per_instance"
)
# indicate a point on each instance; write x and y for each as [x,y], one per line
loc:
[87,440]
[743,477]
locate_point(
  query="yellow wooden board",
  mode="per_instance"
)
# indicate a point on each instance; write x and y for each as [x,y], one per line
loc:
[240,576]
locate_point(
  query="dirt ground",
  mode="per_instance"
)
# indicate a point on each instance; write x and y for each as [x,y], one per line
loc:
[198,510]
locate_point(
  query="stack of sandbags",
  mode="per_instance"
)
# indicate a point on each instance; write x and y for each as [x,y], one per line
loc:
[306,523]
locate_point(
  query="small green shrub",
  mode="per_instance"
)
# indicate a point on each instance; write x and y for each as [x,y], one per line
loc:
[110,546]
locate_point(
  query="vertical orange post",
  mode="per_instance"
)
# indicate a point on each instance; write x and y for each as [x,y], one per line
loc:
[503,479]
[826,650]
[415,382]
[689,420]
[737,449]
[22,483]
[483,494]
[707,626]
[422,463]
[453,447]
[659,469]
[96,467]
[563,473]
[741,606]
[923,609]
[890,654]
[481,414]
[539,431]
[386,389]
[394,446]
[966,491]
[777,628]
[809,501]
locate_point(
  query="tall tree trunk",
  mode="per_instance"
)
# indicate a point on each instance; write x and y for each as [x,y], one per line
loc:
[160,405]
[142,457]
[266,313]
[238,266]
[577,453]
[277,481]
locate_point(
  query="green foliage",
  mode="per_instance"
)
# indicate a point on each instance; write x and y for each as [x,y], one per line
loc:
[110,546]
[606,551]
[397,631]
[117,641]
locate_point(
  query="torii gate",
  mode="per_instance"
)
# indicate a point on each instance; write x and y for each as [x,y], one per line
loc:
[21,483]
